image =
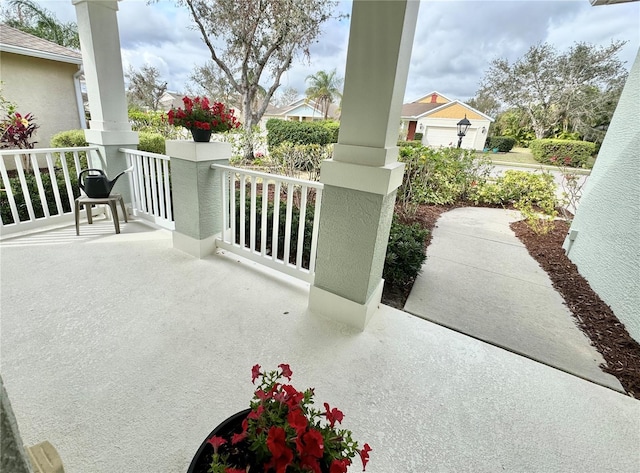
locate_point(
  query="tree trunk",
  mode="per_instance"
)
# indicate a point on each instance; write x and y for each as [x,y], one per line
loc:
[248,127]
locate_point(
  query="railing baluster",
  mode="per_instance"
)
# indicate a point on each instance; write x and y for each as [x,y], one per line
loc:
[276,221]
[41,193]
[301,225]
[7,188]
[54,183]
[23,184]
[232,206]
[252,215]
[167,189]
[243,207]
[154,188]
[224,185]
[287,225]
[263,223]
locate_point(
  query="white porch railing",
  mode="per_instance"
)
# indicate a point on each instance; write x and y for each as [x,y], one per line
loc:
[151,187]
[42,194]
[273,240]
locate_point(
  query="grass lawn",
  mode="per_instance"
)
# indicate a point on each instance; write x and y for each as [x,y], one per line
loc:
[520,156]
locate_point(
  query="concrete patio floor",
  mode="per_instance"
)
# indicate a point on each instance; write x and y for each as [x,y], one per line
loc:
[125,353]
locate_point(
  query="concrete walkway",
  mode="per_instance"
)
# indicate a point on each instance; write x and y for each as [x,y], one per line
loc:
[125,353]
[480,280]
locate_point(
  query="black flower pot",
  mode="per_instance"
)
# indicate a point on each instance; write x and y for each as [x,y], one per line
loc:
[201,136]
[202,459]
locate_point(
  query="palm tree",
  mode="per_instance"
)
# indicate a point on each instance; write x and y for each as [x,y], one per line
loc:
[324,88]
[31,18]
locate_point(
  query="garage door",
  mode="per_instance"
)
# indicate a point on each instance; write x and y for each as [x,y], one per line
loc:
[448,136]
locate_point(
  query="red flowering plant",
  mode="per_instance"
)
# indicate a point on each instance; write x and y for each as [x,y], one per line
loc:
[17,130]
[198,113]
[285,433]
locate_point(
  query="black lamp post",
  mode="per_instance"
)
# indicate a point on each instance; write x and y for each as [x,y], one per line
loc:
[463,126]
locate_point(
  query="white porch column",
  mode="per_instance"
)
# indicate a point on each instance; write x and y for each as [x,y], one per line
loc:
[362,178]
[102,62]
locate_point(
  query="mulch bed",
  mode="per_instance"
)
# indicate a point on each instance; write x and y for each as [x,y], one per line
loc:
[595,318]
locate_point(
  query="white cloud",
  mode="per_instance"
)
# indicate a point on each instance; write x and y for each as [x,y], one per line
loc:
[454,44]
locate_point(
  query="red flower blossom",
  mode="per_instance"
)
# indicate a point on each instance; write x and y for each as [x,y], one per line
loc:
[281,453]
[339,466]
[286,371]
[294,397]
[364,455]
[311,443]
[216,442]
[333,415]
[255,414]
[237,438]
[255,372]
[297,420]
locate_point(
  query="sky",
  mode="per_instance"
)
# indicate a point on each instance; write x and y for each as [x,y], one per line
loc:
[454,44]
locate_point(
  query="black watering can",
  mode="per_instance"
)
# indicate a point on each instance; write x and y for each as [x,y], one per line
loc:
[97,186]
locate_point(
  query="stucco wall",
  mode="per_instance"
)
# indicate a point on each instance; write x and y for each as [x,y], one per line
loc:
[44,88]
[606,249]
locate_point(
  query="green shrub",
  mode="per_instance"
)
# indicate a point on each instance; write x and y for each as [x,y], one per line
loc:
[152,122]
[71,139]
[23,214]
[517,186]
[293,159]
[306,133]
[418,136]
[334,129]
[409,144]
[151,142]
[503,143]
[439,175]
[552,151]
[405,253]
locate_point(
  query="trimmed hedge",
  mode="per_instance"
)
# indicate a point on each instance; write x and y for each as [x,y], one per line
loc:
[304,133]
[503,143]
[565,152]
[418,136]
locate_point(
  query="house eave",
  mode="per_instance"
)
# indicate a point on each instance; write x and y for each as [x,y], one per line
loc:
[8,48]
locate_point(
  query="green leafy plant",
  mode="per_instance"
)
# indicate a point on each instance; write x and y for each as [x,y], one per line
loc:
[300,161]
[284,432]
[153,122]
[513,186]
[439,176]
[406,253]
[151,142]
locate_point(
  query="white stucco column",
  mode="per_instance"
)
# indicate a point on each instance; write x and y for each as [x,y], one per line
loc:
[109,127]
[362,178]
[197,194]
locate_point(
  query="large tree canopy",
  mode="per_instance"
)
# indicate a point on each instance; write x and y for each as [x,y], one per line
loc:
[254,42]
[558,91]
[28,16]
[324,88]
[145,88]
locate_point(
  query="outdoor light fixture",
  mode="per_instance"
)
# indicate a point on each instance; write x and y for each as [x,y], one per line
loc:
[484,130]
[463,126]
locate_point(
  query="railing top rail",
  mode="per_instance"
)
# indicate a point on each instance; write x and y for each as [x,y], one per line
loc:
[266,175]
[144,153]
[12,151]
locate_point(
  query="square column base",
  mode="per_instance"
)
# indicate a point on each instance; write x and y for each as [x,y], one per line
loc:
[338,308]
[194,247]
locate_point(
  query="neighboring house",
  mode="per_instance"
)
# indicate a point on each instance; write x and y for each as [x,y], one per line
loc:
[302,110]
[42,78]
[603,240]
[436,117]
[169,100]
